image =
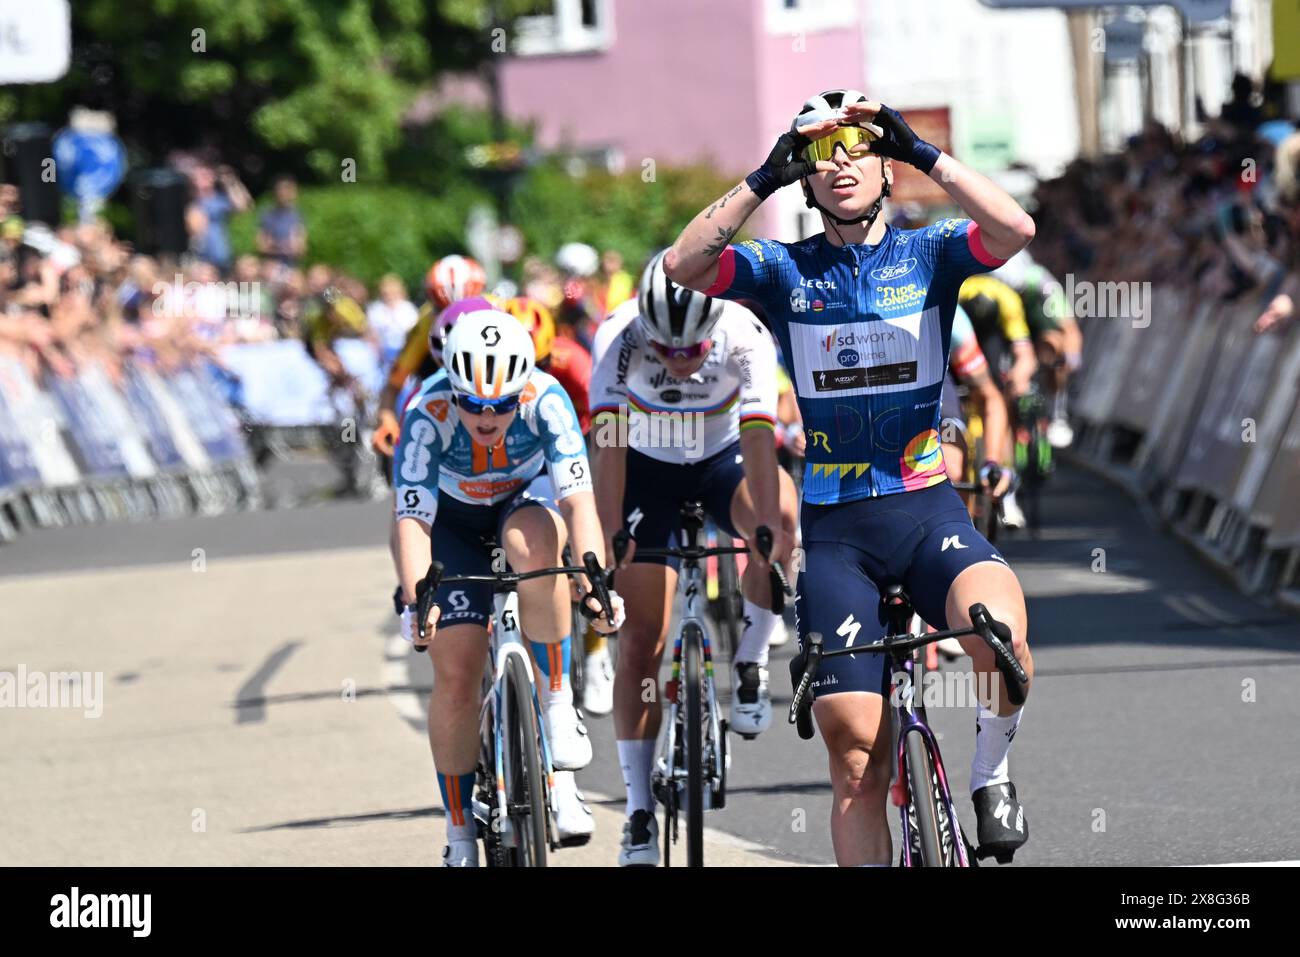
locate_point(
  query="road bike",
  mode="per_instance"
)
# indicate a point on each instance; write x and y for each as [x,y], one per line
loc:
[512,786]
[691,773]
[932,834]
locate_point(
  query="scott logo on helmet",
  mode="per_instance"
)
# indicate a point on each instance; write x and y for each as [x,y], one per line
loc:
[491,335]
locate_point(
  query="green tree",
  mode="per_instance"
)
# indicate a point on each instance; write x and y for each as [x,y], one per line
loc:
[314,81]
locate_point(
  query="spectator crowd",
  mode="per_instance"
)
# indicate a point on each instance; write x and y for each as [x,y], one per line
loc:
[1219,215]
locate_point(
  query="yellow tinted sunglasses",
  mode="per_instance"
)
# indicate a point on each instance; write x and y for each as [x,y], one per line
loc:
[855,140]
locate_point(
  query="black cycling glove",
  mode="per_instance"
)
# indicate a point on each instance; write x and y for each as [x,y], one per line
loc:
[783,166]
[901,143]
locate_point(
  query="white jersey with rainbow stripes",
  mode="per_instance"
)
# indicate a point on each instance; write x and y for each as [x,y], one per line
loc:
[734,390]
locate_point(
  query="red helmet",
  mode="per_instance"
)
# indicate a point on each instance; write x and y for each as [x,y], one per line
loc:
[452,278]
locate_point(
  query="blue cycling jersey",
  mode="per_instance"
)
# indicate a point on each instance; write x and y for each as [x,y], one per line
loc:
[865,330]
[436,454]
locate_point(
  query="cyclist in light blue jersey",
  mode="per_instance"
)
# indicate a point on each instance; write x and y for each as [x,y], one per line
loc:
[490,452]
[863,313]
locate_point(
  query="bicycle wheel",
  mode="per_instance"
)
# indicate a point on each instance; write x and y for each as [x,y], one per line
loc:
[693,678]
[920,774]
[525,788]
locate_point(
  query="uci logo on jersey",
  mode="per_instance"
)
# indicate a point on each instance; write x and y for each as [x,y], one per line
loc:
[896,271]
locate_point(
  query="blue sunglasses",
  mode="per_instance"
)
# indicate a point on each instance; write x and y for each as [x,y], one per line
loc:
[474,405]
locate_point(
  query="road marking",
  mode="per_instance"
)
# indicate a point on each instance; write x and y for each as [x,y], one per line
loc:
[1201,602]
[395,673]
[1251,864]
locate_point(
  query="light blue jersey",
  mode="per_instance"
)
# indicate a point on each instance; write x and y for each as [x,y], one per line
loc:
[437,455]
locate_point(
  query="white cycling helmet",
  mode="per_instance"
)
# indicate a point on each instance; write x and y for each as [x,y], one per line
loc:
[824,106]
[577,259]
[488,354]
[673,315]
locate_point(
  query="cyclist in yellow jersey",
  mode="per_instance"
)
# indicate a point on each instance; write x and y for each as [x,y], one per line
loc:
[449,279]
[998,315]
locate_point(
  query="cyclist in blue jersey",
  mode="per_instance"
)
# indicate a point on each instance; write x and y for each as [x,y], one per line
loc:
[471,470]
[863,313]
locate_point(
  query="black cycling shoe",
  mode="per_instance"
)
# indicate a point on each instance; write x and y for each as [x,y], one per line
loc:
[1002,825]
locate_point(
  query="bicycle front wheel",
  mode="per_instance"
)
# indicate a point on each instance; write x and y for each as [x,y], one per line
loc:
[693,675]
[920,773]
[525,787]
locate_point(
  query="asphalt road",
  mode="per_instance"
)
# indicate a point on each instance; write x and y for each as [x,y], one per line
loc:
[256,708]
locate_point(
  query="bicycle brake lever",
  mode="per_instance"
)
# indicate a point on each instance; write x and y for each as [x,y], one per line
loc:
[425,589]
[998,637]
[596,576]
[805,664]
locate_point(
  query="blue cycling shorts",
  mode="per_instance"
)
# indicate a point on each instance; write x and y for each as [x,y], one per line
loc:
[922,540]
[462,538]
[654,493]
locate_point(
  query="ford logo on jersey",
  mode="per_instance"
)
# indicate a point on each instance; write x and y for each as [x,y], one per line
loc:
[848,357]
[895,271]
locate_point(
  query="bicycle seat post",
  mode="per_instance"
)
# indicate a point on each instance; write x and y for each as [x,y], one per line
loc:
[896,608]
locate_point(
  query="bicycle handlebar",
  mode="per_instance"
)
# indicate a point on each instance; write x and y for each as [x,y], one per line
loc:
[428,586]
[994,633]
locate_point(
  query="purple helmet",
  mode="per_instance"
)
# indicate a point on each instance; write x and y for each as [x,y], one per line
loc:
[440,326]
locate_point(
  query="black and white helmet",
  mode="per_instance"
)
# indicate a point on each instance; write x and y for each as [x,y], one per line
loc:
[673,315]
[824,106]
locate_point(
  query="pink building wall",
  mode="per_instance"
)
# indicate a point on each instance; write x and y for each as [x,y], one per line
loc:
[683,81]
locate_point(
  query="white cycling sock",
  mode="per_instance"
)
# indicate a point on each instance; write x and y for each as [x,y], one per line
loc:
[759,628]
[637,758]
[993,736]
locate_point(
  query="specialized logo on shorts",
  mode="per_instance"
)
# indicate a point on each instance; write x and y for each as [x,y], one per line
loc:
[952,541]
[849,629]
[634,520]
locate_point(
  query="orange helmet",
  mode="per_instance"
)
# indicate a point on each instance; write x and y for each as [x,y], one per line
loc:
[452,278]
[537,319]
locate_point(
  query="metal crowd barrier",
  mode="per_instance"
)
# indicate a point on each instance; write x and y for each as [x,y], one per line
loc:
[1198,414]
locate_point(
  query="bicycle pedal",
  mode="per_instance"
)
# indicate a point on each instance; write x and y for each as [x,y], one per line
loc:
[578,840]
